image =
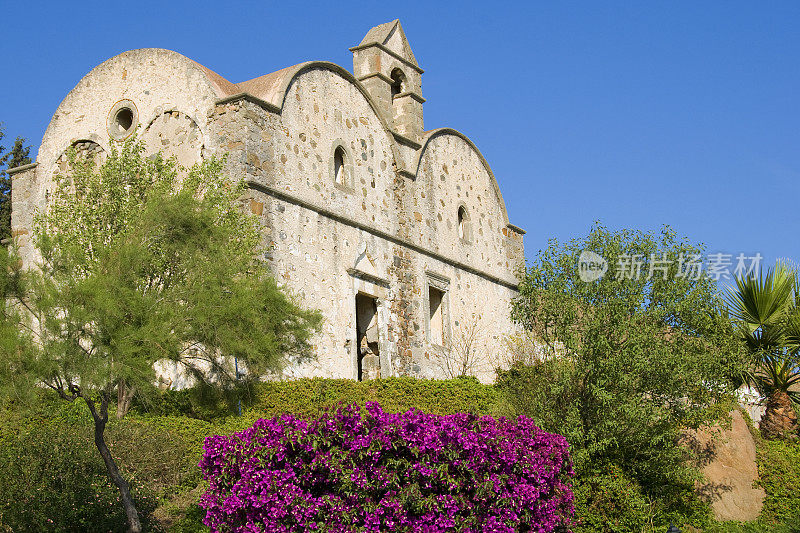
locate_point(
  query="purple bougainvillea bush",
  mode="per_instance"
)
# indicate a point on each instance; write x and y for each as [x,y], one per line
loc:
[366,470]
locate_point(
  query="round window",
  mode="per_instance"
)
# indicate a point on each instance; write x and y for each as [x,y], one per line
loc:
[122,120]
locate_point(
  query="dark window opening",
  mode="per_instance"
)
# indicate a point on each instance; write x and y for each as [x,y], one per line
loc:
[367,337]
[338,166]
[398,82]
[124,119]
[436,316]
[463,224]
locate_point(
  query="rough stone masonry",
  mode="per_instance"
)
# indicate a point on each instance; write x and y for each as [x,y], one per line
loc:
[398,235]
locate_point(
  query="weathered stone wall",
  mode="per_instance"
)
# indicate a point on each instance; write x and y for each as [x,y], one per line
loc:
[327,242]
[452,174]
[322,111]
[23,194]
[174,134]
[156,84]
[388,228]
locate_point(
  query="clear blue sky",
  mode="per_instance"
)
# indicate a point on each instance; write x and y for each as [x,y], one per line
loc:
[636,114]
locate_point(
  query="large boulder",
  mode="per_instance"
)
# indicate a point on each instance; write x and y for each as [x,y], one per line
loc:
[728,461]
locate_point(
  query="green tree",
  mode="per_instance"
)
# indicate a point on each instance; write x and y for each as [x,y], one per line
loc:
[18,156]
[625,362]
[767,310]
[142,264]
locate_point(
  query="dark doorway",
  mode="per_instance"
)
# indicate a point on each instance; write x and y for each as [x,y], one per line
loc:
[367,337]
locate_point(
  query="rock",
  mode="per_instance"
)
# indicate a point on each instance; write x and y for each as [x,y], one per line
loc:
[728,461]
[371,367]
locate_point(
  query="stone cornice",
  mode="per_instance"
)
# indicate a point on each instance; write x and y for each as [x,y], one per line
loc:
[388,51]
[380,75]
[23,168]
[413,95]
[281,195]
[440,281]
[516,229]
[368,277]
[250,98]
[408,141]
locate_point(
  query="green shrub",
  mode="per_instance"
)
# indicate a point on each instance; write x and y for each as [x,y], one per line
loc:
[609,501]
[440,397]
[161,452]
[312,396]
[547,392]
[53,479]
[49,450]
[759,526]
[779,470]
[159,444]
[649,469]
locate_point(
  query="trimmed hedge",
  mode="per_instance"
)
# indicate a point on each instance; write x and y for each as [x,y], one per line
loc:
[313,396]
[395,395]
[159,445]
[367,470]
[609,501]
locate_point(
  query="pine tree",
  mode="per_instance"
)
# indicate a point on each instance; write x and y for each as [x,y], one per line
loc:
[142,266]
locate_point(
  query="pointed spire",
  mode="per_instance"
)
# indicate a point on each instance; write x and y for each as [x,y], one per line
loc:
[390,35]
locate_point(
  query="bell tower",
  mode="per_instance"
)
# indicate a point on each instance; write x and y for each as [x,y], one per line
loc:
[385,65]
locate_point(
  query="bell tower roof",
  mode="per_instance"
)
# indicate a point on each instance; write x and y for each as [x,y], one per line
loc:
[391,37]
[386,66]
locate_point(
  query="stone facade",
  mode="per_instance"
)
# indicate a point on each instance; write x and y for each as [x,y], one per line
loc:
[398,235]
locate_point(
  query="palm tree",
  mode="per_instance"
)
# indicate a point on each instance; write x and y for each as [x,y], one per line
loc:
[766,309]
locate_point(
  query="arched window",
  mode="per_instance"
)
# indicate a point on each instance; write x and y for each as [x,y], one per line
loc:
[398,82]
[339,159]
[463,224]
[83,150]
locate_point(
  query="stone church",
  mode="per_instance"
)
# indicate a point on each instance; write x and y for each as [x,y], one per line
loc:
[398,234]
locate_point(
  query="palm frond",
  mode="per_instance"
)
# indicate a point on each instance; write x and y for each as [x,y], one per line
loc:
[763,299]
[792,331]
[766,308]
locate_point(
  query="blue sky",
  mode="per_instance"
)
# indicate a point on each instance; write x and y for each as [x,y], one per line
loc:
[636,114]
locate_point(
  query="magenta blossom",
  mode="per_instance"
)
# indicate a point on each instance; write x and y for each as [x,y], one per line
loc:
[355,470]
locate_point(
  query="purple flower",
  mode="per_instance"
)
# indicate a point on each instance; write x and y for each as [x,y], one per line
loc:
[363,469]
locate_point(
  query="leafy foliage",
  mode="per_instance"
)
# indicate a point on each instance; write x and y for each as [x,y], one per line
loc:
[93,209]
[609,501]
[376,471]
[779,472]
[142,266]
[53,480]
[625,362]
[161,452]
[753,527]
[311,397]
